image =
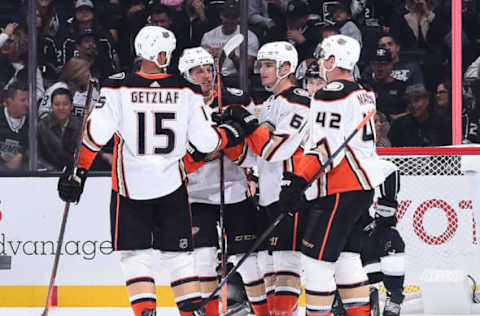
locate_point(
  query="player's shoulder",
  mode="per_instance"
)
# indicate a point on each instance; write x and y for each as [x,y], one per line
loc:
[337,90]
[235,96]
[296,95]
[115,81]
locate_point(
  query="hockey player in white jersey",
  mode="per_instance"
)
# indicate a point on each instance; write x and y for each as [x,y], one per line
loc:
[283,118]
[330,244]
[197,66]
[152,116]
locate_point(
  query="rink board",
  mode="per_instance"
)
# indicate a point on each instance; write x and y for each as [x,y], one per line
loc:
[89,273]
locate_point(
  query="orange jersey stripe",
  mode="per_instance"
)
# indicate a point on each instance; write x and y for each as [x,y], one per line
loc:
[344,177]
[233,153]
[191,165]
[86,158]
[114,164]
[327,232]
[258,139]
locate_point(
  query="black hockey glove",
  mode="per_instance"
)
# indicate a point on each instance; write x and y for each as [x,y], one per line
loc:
[235,133]
[291,197]
[384,216]
[194,153]
[70,186]
[241,115]
[385,213]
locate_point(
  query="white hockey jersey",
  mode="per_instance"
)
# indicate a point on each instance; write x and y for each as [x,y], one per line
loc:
[335,112]
[284,120]
[79,100]
[204,183]
[152,117]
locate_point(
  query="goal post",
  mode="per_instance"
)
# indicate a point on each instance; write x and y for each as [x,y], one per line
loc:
[439,210]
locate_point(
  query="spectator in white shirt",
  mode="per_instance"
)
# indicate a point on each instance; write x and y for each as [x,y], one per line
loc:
[214,40]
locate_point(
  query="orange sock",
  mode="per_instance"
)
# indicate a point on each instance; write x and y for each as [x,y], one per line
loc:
[285,305]
[271,301]
[211,308]
[139,307]
[358,310]
[261,309]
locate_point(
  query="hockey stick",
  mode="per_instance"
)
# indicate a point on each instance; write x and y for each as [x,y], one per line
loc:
[86,110]
[194,306]
[227,49]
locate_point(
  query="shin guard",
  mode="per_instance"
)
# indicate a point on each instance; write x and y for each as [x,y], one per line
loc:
[320,286]
[137,269]
[287,265]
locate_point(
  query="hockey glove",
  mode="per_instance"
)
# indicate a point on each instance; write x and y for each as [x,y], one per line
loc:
[241,115]
[385,213]
[384,216]
[291,197]
[194,153]
[235,133]
[70,186]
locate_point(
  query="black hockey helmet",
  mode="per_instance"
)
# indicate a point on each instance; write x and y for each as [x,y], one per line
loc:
[313,71]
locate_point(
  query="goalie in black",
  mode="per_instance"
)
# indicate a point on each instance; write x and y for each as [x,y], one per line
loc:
[383,255]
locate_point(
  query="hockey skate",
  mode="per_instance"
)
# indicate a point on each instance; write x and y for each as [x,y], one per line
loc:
[393,304]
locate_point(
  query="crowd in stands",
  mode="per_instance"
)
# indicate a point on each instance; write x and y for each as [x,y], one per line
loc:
[406,59]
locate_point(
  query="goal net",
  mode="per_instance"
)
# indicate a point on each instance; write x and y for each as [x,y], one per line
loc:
[436,214]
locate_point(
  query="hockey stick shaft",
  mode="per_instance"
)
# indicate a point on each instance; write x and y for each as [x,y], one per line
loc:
[222,189]
[67,204]
[232,44]
[280,217]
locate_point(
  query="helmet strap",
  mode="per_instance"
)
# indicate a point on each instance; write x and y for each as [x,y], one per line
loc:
[279,78]
[325,70]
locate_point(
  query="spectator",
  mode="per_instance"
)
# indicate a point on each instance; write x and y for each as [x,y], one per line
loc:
[423,30]
[443,101]
[421,127]
[7,33]
[85,22]
[343,20]
[388,90]
[259,19]
[214,40]
[298,29]
[382,127]
[406,71]
[59,132]
[13,56]
[87,47]
[201,21]
[53,20]
[48,56]
[74,77]
[14,127]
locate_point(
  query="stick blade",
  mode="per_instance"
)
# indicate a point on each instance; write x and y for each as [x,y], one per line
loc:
[232,44]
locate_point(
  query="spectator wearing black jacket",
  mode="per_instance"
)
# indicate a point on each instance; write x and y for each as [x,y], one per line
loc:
[298,29]
[85,21]
[59,131]
[404,70]
[389,91]
[421,127]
